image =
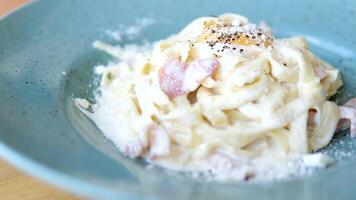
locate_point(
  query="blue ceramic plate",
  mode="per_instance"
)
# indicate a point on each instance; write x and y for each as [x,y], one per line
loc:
[42,132]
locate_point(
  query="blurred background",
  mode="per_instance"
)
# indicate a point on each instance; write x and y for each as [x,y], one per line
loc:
[14,184]
[8,5]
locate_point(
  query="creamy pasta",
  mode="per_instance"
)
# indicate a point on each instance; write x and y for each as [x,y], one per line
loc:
[223,96]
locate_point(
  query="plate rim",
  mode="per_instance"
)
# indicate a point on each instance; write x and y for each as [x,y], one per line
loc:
[44,173]
[52,176]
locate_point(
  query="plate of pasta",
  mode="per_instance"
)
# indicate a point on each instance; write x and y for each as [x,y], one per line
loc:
[224,99]
[231,100]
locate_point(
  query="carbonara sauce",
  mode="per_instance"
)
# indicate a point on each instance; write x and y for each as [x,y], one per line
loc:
[224,97]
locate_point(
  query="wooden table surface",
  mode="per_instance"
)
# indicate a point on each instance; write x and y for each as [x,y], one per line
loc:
[14,184]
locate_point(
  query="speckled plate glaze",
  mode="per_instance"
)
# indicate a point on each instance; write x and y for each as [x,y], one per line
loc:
[42,132]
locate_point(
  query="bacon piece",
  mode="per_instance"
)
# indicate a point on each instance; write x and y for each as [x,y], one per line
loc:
[321,73]
[171,77]
[133,149]
[197,71]
[177,78]
[342,124]
[351,103]
[348,117]
[222,162]
[230,166]
[158,144]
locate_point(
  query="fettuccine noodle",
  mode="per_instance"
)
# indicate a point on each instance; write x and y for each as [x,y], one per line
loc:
[223,95]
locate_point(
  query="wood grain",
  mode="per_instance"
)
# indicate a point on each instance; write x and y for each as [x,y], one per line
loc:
[14,184]
[8,5]
[17,185]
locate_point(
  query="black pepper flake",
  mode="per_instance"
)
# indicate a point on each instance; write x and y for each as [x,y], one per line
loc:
[241,50]
[285,64]
[234,48]
[213,31]
[259,34]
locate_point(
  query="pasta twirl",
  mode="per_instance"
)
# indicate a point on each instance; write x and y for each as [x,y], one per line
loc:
[222,95]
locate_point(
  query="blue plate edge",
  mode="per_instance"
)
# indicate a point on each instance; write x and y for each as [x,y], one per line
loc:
[46,174]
